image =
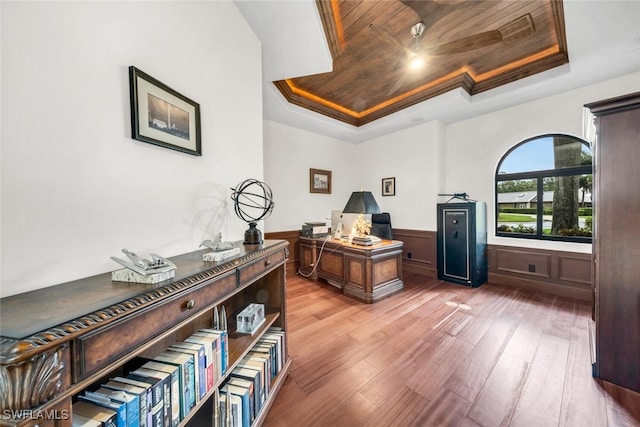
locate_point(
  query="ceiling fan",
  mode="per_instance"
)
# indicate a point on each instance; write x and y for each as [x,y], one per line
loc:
[510,32]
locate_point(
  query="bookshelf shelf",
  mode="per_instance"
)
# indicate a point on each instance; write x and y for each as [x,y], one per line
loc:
[87,331]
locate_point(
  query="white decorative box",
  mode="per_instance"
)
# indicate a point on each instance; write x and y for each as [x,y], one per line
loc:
[220,255]
[250,318]
[126,275]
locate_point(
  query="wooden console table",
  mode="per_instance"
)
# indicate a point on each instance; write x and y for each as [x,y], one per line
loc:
[366,273]
[57,341]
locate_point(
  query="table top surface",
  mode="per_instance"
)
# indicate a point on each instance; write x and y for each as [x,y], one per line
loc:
[24,314]
[384,244]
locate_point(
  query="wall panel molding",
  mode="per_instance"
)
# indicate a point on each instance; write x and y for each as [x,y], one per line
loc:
[560,273]
[521,261]
[420,253]
[294,250]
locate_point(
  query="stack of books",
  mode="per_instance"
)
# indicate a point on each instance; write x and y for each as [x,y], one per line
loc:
[162,391]
[244,394]
[367,240]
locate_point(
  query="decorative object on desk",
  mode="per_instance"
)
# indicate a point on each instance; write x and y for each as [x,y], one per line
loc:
[220,255]
[319,181]
[366,240]
[161,116]
[250,318]
[362,202]
[217,244]
[142,270]
[221,250]
[388,186]
[314,229]
[253,201]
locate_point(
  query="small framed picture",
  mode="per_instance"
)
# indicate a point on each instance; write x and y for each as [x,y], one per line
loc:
[388,186]
[161,116]
[319,181]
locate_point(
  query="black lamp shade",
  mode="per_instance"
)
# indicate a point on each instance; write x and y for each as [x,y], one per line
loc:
[362,202]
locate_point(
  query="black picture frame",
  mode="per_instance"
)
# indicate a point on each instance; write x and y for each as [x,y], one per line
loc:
[161,116]
[388,186]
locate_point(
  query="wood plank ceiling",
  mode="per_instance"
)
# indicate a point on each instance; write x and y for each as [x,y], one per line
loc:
[474,45]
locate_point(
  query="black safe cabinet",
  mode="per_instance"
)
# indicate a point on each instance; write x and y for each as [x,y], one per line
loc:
[462,243]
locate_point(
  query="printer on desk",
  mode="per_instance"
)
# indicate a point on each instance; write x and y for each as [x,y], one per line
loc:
[313,230]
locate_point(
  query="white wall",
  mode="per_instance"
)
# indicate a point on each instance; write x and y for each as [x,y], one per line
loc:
[411,157]
[289,153]
[434,158]
[75,187]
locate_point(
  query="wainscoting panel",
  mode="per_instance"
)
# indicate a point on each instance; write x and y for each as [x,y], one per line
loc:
[560,273]
[294,249]
[420,253]
[574,269]
[523,262]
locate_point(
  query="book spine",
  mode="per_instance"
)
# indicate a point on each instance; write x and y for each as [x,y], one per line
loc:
[155,416]
[119,409]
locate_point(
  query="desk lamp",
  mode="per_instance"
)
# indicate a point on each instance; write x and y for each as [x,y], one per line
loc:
[362,202]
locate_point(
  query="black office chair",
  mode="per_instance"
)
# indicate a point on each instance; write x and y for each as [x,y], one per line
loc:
[381,226]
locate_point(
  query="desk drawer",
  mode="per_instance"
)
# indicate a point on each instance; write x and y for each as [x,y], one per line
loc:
[102,347]
[257,268]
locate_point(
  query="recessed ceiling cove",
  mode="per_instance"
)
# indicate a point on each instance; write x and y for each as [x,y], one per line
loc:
[389,55]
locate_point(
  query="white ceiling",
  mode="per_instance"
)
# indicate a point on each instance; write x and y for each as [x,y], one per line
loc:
[603,39]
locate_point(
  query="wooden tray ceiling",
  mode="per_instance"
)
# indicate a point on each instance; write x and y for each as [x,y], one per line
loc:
[371,78]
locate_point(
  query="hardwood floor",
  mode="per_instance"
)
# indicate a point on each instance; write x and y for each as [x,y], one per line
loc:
[440,354]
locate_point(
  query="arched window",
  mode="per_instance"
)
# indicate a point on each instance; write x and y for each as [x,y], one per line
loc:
[544,190]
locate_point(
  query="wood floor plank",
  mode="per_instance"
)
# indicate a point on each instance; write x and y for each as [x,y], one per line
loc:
[468,380]
[579,387]
[497,400]
[401,409]
[447,409]
[355,411]
[541,397]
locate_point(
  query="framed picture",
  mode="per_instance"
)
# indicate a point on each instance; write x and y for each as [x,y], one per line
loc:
[319,181]
[388,186]
[161,116]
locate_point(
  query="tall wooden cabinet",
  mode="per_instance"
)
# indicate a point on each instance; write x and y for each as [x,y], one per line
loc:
[616,243]
[57,341]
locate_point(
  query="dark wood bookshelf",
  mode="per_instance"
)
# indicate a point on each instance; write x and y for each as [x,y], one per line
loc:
[83,332]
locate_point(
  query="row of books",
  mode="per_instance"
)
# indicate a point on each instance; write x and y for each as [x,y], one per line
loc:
[247,389]
[158,392]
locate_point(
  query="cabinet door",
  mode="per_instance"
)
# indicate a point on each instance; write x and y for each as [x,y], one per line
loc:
[617,248]
[456,243]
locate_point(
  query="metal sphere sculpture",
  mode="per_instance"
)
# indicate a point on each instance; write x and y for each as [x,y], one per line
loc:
[252,202]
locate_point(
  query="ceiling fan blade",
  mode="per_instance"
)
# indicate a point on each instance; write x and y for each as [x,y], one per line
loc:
[516,29]
[466,44]
[386,37]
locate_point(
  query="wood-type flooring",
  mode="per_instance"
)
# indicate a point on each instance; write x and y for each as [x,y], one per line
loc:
[441,354]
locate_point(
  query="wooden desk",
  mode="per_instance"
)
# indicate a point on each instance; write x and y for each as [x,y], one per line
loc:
[366,273]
